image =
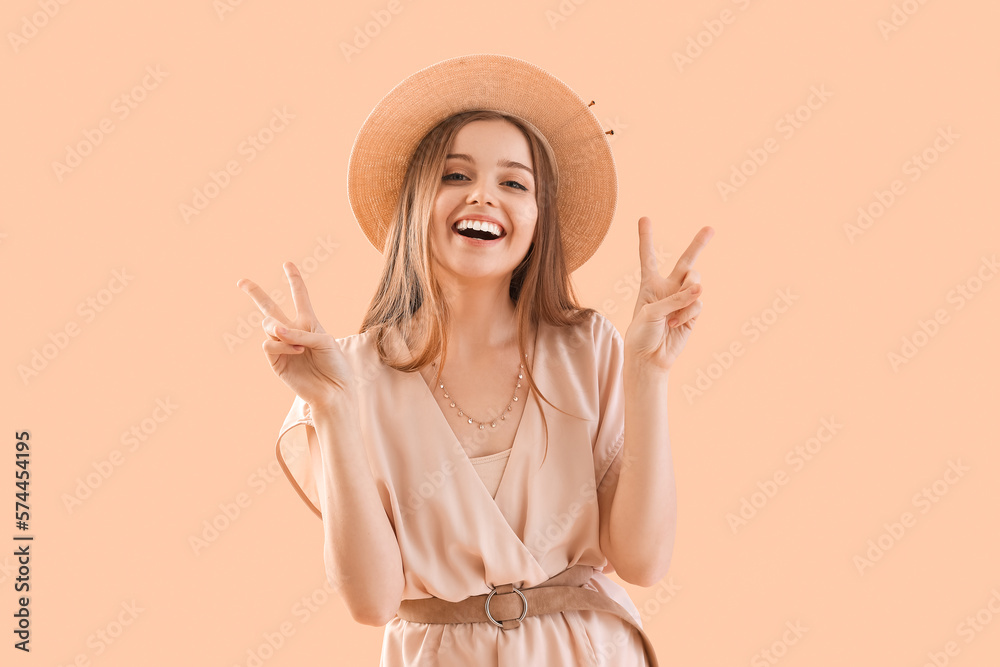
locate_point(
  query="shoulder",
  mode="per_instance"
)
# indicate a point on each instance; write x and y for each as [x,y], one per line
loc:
[360,344]
[355,338]
[597,331]
[609,346]
[587,346]
[602,327]
[594,325]
[354,346]
[362,354]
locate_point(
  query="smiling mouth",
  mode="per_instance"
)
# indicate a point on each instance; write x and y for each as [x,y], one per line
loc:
[479,234]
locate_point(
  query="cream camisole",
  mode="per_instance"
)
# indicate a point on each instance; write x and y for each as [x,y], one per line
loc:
[490,468]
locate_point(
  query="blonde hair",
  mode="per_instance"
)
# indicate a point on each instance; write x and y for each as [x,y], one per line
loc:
[540,285]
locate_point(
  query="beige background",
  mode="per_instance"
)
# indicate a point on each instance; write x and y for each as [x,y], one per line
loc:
[169,329]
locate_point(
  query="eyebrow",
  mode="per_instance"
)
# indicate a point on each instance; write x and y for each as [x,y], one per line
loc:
[500,163]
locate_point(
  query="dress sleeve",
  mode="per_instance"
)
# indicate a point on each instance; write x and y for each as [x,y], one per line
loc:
[609,350]
[298,455]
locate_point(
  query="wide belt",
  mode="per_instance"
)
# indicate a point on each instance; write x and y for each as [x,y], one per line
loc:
[506,606]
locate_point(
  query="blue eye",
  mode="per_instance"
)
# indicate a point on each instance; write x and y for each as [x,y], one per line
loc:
[518,185]
[447,177]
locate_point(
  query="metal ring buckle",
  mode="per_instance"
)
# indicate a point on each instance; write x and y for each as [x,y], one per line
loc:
[524,602]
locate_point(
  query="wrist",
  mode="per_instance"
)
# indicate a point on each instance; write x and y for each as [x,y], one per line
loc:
[334,401]
[638,367]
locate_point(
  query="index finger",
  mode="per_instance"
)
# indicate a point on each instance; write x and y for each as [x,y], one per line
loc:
[686,260]
[263,301]
[300,296]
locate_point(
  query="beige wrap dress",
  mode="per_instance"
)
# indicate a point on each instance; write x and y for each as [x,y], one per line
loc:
[455,539]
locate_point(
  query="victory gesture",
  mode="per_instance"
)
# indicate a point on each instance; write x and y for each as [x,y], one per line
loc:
[666,308]
[300,352]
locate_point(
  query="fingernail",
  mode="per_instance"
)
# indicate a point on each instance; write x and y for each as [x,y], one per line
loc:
[672,322]
[281,330]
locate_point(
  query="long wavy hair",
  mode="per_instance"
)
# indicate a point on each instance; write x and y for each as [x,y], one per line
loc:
[540,286]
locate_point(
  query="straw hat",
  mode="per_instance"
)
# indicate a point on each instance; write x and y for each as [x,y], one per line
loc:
[588,185]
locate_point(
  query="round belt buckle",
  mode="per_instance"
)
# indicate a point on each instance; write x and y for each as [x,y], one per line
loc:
[524,611]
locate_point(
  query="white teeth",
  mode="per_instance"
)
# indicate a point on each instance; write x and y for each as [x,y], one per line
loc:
[490,227]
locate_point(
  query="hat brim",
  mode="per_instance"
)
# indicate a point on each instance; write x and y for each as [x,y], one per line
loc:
[588,184]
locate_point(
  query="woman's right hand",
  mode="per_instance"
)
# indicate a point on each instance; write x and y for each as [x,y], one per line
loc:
[305,357]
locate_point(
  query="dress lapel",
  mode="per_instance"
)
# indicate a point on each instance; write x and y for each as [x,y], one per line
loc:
[504,517]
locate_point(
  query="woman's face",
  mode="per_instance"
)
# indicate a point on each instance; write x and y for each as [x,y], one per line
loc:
[487,178]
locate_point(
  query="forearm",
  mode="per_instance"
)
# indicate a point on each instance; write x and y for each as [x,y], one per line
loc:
[644,512]
[360,549]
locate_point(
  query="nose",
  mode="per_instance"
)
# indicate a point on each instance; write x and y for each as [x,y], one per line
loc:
[481,194]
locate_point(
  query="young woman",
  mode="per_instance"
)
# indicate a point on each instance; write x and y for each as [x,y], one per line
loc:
[473,522]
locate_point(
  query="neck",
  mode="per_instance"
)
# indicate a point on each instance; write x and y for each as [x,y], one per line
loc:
[482,319]
[482,316]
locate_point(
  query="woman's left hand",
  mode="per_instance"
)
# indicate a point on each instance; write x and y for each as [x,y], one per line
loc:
[666,308]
